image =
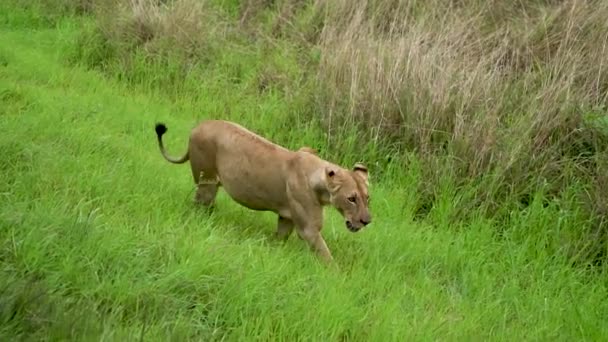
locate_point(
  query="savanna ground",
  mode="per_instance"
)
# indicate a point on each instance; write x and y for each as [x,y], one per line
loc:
[482,123]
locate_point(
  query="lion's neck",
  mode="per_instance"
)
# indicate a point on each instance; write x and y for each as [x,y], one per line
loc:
[319,185]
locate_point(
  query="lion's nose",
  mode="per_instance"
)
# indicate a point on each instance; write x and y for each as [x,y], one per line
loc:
[366,220]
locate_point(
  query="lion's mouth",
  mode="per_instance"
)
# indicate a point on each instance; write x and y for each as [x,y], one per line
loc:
[352,228]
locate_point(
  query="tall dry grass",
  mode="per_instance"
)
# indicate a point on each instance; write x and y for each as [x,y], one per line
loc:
[131,38]
[503,87]
[157,27]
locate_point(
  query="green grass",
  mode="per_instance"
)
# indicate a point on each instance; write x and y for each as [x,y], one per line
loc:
[99,239]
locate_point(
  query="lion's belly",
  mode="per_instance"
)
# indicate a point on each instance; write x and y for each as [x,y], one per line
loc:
[254,191]
[251,170]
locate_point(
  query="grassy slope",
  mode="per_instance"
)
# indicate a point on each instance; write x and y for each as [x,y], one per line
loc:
[99,239]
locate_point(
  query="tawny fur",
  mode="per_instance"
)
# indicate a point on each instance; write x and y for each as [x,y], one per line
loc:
[264,176]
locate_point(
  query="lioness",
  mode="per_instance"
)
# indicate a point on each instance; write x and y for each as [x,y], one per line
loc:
[263,176]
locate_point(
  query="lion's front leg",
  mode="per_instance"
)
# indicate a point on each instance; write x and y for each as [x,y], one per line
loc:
[307,214]
[312,235]
[309,221]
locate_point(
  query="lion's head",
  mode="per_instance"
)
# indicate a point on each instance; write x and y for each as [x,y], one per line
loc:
[348,191]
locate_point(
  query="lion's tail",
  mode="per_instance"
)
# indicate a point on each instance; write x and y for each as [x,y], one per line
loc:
[160,130]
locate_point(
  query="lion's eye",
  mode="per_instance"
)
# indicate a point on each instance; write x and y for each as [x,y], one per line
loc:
[352,199]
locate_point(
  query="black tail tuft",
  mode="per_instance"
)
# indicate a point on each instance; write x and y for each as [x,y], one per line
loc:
[160,129]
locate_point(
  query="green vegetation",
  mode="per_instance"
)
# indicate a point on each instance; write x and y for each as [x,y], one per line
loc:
[483,124]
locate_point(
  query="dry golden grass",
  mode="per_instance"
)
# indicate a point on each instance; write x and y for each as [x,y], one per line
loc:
[437,74]
[182,27]
[503,88]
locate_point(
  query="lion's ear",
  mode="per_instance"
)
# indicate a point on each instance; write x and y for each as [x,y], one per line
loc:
[308,149]
[331,178]
[361,170]
[330,172]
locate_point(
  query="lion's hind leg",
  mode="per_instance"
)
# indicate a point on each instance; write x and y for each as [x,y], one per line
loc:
[206,190]
[284,228]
